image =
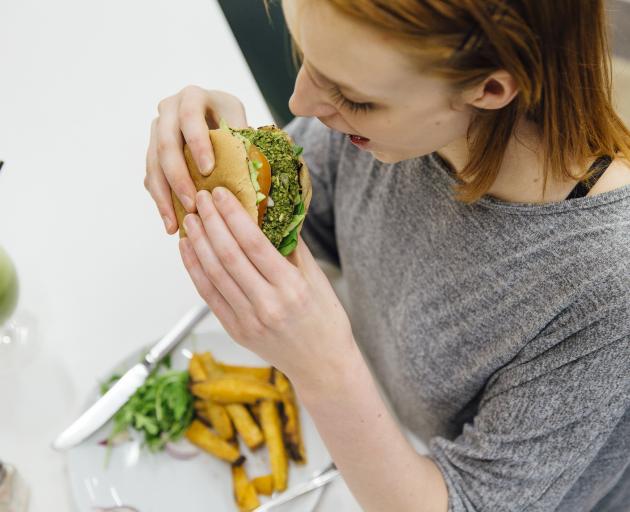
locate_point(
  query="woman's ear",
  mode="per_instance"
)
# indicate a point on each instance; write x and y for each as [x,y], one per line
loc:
[495,92]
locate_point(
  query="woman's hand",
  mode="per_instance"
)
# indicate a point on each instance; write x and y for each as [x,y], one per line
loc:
[284,309]
[185,118]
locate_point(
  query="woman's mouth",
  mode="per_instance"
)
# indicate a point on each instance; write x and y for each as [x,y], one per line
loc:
[357,140]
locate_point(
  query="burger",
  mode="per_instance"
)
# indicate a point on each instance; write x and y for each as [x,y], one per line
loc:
[265,170]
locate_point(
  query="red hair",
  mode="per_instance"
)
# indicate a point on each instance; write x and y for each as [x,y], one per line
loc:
[556,51]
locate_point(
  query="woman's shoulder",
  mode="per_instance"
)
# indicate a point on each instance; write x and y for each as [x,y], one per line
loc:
[616,176]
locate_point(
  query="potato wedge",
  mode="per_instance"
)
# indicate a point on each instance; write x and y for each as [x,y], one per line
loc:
[204,438]
[228,389]
[260,372]
[197,369]
[272,429]
[291,418]
[245,425]
[255,411]
[210,364]
[263,484]
[244,491]
[201,412]
[219,419]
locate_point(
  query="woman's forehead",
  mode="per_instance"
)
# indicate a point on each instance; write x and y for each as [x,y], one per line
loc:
[345,51]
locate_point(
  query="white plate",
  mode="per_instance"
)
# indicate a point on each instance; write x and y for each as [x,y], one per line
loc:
[149,482]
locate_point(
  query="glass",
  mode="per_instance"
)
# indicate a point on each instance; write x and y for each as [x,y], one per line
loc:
[13,490]
[29,374]
[15,345]
[16,330]
[8,287]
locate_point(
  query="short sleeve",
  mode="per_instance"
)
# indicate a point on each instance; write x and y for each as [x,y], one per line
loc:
[543,420]
[321,154]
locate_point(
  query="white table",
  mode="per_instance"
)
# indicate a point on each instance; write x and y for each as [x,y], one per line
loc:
[80,81]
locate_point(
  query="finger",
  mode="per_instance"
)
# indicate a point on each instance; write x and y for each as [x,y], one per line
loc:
[305,263]
[193,106]
[170,150]
[161,193]
[205,288]
[304,255]
[156,184]
[258,249]
[213,267]
[232,257]
[222,105]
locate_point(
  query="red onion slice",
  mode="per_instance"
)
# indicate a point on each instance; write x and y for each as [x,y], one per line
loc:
[181,450]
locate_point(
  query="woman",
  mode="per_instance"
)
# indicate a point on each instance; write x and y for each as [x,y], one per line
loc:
[453,159]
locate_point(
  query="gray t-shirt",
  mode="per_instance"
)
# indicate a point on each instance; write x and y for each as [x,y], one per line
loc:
[500,332]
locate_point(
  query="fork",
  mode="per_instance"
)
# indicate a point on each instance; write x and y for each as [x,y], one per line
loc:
[319,479]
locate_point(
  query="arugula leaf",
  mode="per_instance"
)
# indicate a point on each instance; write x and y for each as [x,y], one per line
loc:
[297,150]
[161,409]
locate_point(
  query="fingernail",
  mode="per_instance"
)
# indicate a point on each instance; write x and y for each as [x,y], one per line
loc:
[189,222]
[206,165]
[188,203]
[167,222]
[203,195]
[219,194]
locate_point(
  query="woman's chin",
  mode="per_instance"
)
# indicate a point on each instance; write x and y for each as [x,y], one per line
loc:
[393,157]
[388,157]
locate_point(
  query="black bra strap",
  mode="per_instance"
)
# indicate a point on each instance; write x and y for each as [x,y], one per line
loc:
[582,188]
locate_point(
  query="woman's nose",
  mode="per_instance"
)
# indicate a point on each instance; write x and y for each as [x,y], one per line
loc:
[308,100]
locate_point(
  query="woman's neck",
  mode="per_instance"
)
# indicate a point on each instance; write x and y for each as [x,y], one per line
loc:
[520,177]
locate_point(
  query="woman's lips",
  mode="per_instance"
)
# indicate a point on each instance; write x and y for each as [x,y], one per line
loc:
[357,140]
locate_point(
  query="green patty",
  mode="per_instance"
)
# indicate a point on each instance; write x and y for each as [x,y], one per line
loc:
[285,186]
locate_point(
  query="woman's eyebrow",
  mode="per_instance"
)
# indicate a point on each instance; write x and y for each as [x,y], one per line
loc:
[333,83]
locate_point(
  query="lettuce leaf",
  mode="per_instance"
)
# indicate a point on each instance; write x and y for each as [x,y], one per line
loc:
[224,126]
[297,218]
[289,243]
[290,240]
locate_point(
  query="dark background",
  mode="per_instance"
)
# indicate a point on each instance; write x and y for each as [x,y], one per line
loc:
[265,43]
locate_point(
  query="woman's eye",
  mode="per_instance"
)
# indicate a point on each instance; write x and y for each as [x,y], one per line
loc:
[342,102]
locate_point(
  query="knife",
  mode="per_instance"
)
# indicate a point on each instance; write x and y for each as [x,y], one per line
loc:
[106,406]
[321,478]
